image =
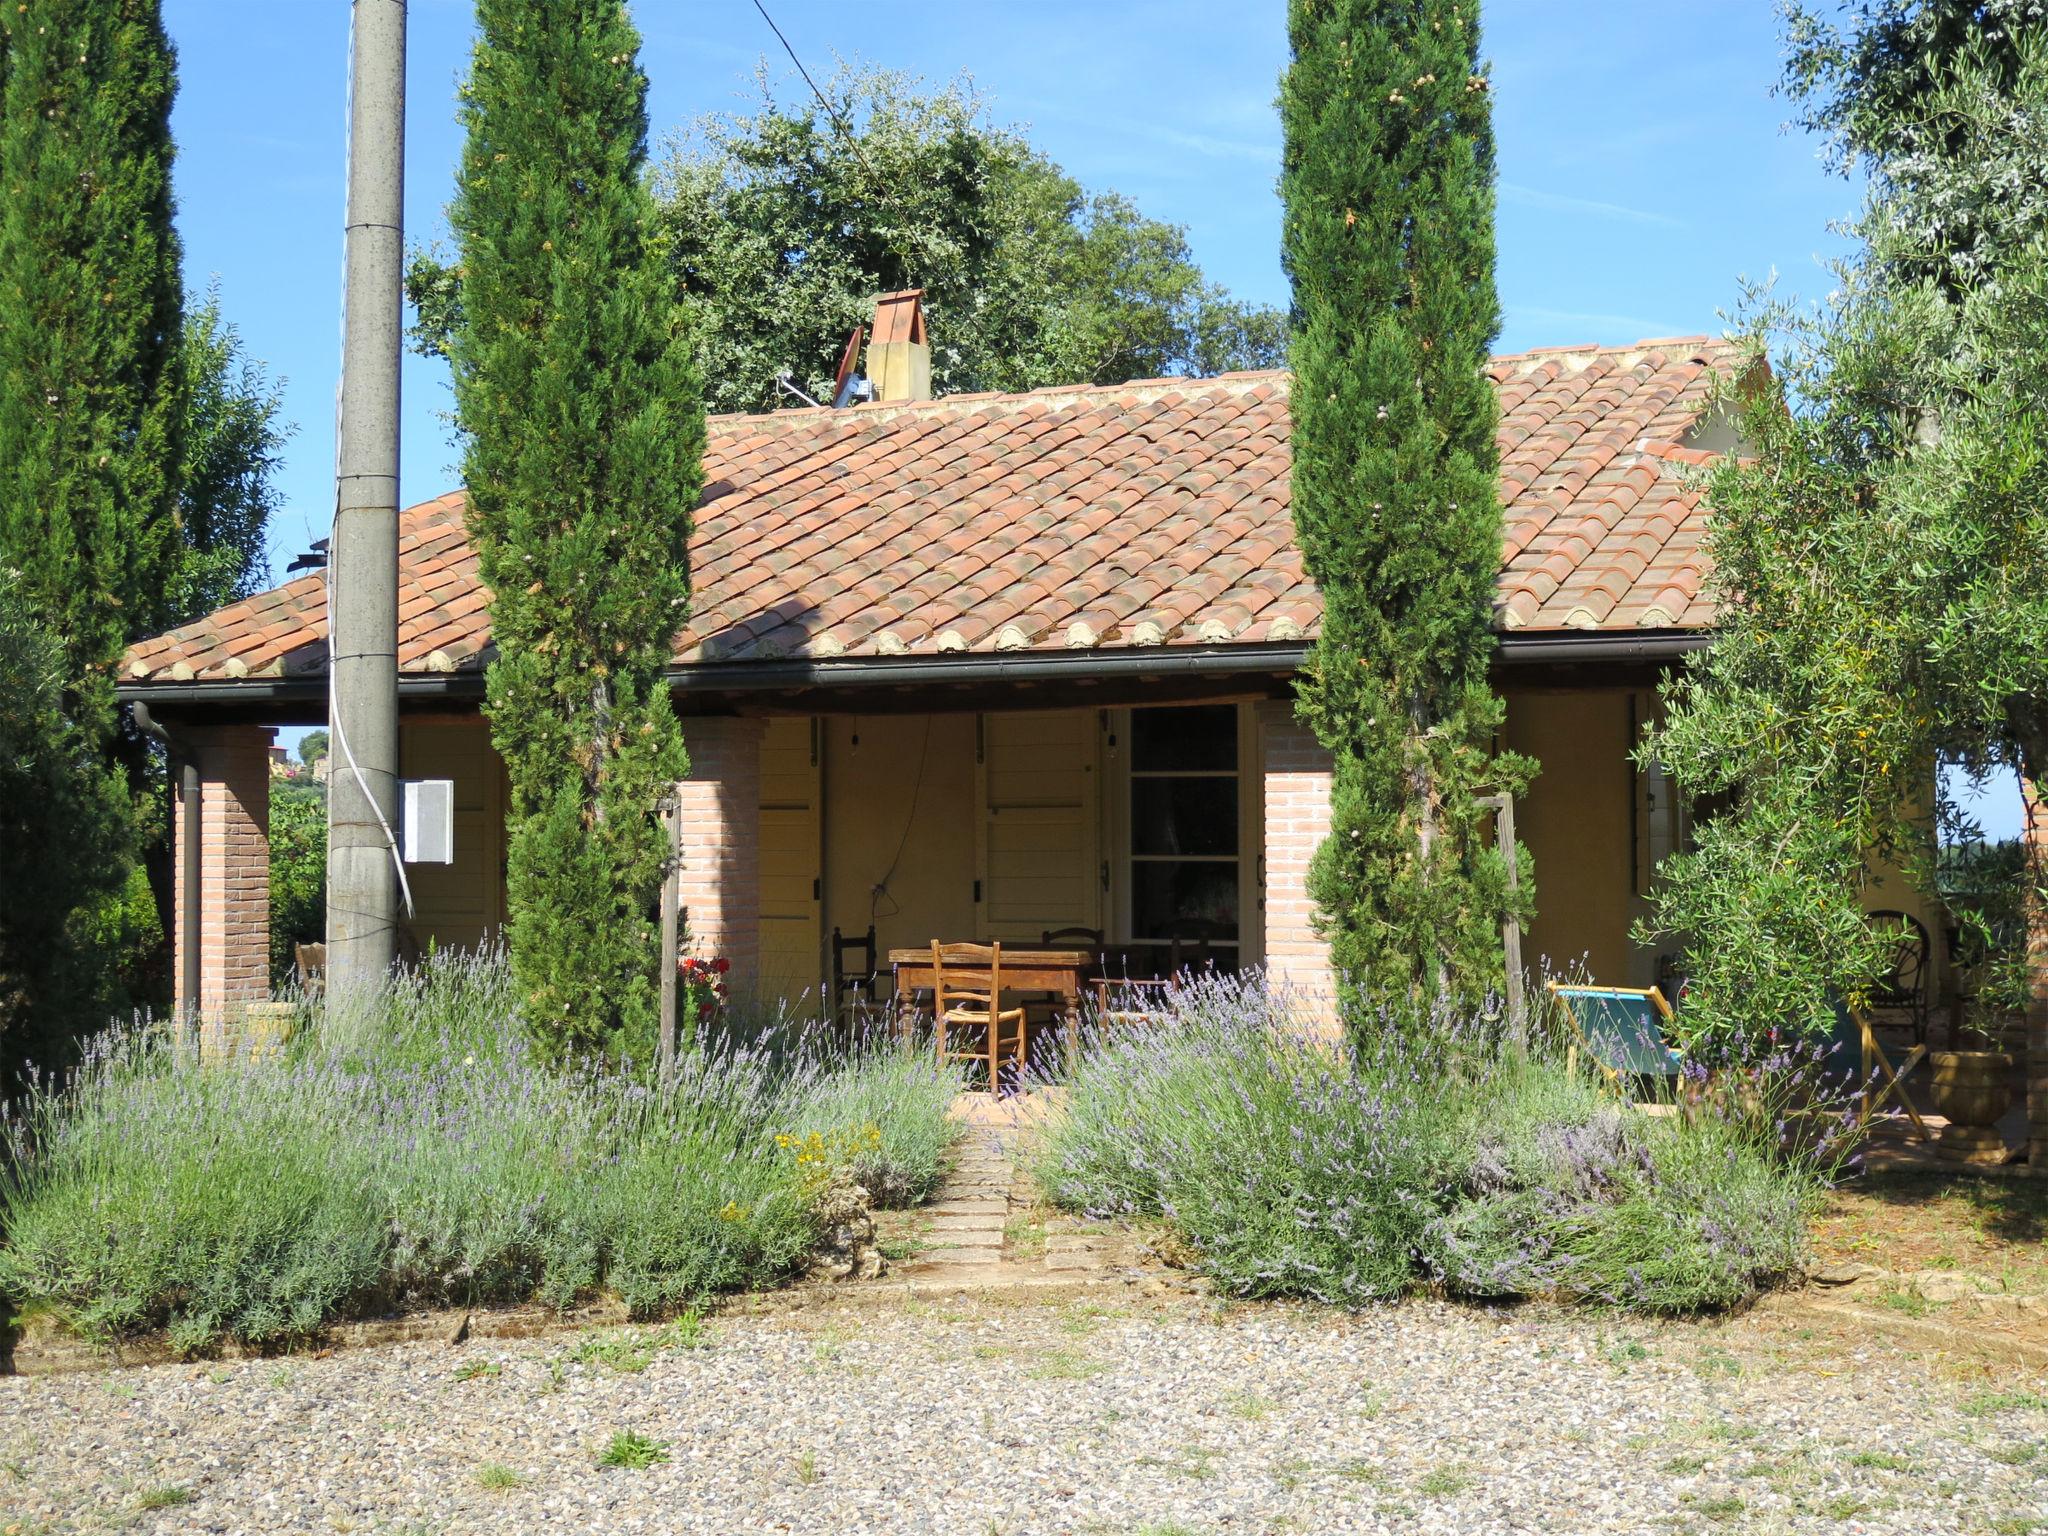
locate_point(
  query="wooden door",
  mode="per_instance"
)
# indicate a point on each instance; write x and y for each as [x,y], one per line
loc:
[1038,849]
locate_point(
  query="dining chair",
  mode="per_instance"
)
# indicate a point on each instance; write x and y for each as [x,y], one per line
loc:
[856,988]
[967,1001]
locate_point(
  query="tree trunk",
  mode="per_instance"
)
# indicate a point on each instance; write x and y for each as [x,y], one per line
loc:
[2034,794]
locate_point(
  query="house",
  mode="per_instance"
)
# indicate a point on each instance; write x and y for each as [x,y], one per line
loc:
[991,665]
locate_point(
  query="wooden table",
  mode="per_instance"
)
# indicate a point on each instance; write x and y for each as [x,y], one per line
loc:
[1064,972]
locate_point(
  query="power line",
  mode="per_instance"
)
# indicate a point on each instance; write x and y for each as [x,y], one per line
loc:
[831,113]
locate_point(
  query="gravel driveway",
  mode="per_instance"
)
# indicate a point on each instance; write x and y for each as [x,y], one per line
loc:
[1130,1415]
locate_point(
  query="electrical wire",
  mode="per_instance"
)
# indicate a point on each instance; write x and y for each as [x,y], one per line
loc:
[845,129]
[881,887]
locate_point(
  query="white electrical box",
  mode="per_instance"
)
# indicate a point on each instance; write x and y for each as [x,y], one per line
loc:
[426,821]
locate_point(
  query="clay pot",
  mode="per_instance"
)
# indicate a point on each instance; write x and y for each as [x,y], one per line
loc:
[1972,1087]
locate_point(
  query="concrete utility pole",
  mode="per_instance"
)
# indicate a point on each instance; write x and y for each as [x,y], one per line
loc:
[362,566]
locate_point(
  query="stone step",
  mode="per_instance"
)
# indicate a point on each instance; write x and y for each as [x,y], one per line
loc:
[969,1207]
[964,1223]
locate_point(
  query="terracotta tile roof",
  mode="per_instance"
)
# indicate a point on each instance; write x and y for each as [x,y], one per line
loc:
[1144,514]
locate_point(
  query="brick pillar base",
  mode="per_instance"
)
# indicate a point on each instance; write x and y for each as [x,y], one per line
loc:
[234,867]
[2035,798]
[720,816]
[1296,772]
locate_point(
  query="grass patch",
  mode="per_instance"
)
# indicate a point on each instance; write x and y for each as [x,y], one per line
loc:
[633,1451]
[1982,1405]
[1721,1509]
[1445,1482]
[478,1370]
[1196,1462]
[497,1477]
[1249,1406]
[1880,1461]
[418,1153]
[170,1496]
[804,1464]
[1066,1365]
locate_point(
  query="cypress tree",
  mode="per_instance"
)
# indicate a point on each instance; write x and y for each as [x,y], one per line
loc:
[91,409]
[1388,185]
[91,424]
[583,415]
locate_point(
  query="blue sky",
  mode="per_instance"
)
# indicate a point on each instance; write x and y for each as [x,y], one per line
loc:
[1645,171]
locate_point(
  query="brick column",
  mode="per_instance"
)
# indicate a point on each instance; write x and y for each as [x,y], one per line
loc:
[234,866]
[2035,798]
[1296,772]
[720,813]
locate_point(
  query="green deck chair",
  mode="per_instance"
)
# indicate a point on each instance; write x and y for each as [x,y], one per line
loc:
[1626,1030]
[1853,1052]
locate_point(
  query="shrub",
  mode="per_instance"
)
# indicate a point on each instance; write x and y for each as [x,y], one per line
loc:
[1416,1152]
[1291,1164]
[888,1109]
[446,1162]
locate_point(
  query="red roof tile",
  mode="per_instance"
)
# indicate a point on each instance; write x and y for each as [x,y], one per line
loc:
[1150,513]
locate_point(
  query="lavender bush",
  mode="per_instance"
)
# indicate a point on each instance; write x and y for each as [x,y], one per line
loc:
[442,1163]
[1415,1152]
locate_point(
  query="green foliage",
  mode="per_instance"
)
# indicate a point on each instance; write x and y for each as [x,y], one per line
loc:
[1424,1153]
[1388,237]
[312,747]
[1881,551]
[633,1451]
[781,233]
[233,442]
[63,835]
[263,1199]
[1930,97]
[138,444]
[298,872]
[90,298]
[581,409]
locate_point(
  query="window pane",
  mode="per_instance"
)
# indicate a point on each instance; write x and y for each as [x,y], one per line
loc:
[1184,816]
[1170,893]
[1204,738]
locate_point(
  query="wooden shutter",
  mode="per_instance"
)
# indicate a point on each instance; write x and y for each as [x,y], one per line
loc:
[1037,838]
[791,863]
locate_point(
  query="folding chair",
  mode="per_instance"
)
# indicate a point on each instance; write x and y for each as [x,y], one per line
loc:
[1853,1051]
[1624,1029]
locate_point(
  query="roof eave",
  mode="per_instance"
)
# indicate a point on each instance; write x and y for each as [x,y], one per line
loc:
[856,672]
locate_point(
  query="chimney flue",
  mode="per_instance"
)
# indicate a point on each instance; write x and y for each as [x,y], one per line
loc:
[899,358]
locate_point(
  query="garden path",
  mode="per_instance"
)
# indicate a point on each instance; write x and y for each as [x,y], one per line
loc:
[988,1226]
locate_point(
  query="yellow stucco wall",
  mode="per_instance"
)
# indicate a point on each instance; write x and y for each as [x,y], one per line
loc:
[459,905]
[876,768]
[1575,823]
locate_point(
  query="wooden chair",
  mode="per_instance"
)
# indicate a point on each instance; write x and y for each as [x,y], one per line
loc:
[309,965]
[1189,942]
[1625,1030]
[855,989]
[1853,1051]
[1902,991]
[967,1000]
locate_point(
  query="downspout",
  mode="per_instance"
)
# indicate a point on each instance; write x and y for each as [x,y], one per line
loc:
[188,888]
